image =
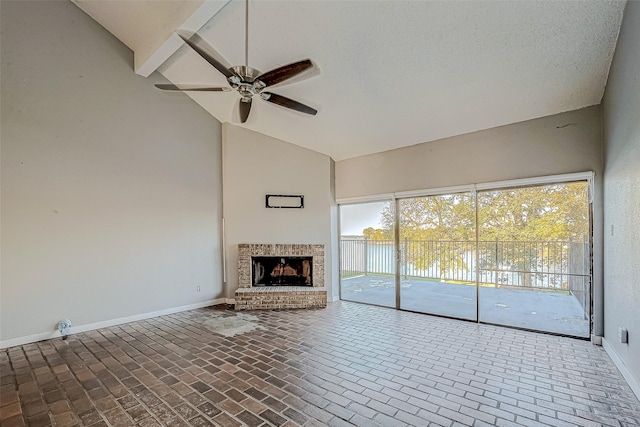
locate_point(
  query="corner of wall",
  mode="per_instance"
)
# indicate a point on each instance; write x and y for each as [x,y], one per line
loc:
[621,190]
[334,262]
[633,382]
[122,216]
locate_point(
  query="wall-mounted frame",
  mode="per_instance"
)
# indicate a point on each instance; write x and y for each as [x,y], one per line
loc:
[282,201]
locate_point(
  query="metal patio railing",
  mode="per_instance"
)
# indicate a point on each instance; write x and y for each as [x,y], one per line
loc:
[553,265]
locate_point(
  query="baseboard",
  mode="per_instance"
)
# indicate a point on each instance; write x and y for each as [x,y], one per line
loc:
[230,301]
[12,342]
[633,382]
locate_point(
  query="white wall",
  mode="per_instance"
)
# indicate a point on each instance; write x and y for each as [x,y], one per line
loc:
[256,165]
[111,190]
[622,197]
[559,144]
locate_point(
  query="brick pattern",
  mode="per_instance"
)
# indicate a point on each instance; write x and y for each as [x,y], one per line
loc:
[280,297]
[348,364]
[246,251]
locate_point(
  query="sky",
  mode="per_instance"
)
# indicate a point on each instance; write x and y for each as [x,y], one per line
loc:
[355,218]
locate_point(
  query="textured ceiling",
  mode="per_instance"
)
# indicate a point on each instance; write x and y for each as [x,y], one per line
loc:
[398,73]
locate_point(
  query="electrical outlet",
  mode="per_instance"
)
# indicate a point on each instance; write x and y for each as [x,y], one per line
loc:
[623,335]
[198,288]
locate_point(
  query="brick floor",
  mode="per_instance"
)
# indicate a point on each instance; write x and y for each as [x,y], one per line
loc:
[348,364]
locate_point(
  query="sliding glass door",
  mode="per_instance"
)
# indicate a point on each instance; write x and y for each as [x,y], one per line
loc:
[367,255]
[526,264]
[437,255]
[534,258]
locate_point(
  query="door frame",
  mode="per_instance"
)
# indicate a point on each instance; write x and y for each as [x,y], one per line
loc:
[474,188]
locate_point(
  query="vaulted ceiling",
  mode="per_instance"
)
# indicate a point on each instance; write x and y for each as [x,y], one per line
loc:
[389,73]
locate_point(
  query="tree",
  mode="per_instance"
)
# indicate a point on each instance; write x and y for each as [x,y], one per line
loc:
[435,231]
[550,212]
[523,216]
[371,233]
[541,219]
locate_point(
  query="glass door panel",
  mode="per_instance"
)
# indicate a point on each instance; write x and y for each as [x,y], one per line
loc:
[534,258]
[437,255]
[367,255]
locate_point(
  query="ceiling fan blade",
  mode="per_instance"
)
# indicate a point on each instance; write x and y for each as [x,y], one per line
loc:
[288,103]
[194,88]
[197,43]
[285,72]
[245,109]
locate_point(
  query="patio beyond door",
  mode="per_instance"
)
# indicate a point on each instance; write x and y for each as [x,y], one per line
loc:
[535,258]
[526,264]
[367,255]
[437,255]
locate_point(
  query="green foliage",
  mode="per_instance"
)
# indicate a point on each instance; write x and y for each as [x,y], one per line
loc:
[532,214]
[442,217]
[544,213]
[378,233]
[550,213]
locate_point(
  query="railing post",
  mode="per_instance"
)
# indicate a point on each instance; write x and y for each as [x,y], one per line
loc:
[440,254]
[366,255]
[404,261]
[495,267]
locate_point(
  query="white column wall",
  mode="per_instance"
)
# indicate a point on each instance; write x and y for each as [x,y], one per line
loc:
[256,165]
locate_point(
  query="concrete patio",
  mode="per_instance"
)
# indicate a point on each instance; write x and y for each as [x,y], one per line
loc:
[546,311]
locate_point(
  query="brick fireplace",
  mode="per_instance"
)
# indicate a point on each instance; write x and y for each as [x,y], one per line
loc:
[255,292]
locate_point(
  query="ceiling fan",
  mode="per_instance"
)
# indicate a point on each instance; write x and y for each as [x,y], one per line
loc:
[246,80]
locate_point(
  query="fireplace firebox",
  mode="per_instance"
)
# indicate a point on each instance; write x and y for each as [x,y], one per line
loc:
[282,270]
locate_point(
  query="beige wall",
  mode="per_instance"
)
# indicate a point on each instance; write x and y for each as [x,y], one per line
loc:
[256,165]
[622,196]
[111,190]
[563,143]
[559,144]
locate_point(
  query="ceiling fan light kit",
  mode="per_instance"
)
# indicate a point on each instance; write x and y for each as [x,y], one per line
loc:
[247,81]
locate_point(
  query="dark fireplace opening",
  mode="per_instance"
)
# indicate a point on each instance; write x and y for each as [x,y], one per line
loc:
[282,271]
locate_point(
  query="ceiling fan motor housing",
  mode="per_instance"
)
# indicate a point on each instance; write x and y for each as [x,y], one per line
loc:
[244,81]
